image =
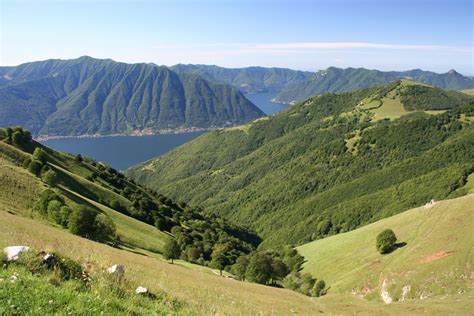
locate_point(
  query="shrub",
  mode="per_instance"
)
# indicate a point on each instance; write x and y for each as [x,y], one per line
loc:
[386,241]
[81,221]
[69,269]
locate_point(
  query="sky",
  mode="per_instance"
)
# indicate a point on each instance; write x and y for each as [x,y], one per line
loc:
[299,34]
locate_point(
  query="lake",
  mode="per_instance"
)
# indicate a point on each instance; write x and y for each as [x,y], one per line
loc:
[122,152]
[262,100]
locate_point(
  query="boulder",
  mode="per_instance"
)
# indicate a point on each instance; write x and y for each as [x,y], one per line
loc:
[14,252]
[141,290]
[116,269]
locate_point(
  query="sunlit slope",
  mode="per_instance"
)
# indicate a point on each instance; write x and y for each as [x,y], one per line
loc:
[349,159]
[21,189]
[205,293]
[436,261]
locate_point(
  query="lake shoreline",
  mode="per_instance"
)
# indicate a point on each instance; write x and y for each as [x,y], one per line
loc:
[136,133]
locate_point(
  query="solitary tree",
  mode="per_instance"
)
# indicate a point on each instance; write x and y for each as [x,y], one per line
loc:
[386,241]
[171,250]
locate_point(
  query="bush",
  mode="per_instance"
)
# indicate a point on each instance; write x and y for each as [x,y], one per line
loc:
[81,221]
[386,241]
[69,269]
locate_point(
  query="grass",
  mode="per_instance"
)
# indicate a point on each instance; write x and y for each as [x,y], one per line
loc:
[45,293]
[204,293]
[468,91]
[436,262]
[391,107]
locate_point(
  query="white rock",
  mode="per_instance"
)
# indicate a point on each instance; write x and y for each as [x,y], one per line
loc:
[141,290]
[405,290]
[384,294]
[14,252]
[116,269]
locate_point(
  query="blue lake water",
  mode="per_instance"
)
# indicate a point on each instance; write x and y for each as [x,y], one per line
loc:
[122,152]
[263,101]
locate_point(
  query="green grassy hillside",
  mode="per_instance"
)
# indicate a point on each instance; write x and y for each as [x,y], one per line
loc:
[435,264]
[328,165]
[143,218]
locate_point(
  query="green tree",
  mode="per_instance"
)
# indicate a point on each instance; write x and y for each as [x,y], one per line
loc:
[40,154]
[51,178]
[35,167]
[64,213]
[319,289]
[218,257]
[279,269]
[104,227]
[240,267]
[17,138]
[81,221]
[45,197]
[324,227]
[54,208]
[386,241]
[259,269]
[171,250]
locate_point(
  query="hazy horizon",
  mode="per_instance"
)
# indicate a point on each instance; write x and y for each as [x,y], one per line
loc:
[306,35]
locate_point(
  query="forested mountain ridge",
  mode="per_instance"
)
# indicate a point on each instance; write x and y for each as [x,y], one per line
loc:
[249,79]
[349,79]
[93,96]
[328,165]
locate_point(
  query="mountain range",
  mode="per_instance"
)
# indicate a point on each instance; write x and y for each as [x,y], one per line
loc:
[93,96]
[294,86]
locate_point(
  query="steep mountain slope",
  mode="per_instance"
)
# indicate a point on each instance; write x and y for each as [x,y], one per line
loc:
[350,79]
[436,262]
[91,96]
[328,165]
[143,218]
[250,79]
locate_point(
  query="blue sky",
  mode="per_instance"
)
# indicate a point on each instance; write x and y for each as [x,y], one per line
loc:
[302,34]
